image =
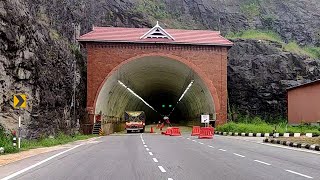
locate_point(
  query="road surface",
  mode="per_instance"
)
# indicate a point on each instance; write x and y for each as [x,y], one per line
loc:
[150,156]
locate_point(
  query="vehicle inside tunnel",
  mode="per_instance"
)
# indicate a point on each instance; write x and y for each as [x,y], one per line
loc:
[157,85]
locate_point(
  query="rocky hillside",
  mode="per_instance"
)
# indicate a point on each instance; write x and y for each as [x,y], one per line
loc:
[37,50]
[36,60]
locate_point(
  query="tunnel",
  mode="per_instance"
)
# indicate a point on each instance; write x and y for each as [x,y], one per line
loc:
[160,82]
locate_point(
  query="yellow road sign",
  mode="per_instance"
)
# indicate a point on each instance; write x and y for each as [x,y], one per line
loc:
[20,101]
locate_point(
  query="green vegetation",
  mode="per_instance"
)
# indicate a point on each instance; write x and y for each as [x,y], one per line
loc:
[258,125]
[268,35]
[256,34]
[60,138]
[152,8]
[251,9]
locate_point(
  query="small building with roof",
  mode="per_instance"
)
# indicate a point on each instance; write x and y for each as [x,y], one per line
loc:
[304,103]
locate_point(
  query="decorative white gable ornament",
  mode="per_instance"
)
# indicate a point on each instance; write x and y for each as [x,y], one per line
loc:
[157,32]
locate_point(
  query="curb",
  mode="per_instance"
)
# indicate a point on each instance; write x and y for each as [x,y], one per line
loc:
[314,147]
[265,134]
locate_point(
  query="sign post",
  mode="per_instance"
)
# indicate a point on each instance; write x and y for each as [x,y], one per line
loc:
[205,119]
[19,101]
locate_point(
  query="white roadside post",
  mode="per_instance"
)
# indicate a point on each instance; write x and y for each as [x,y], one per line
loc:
[19,137]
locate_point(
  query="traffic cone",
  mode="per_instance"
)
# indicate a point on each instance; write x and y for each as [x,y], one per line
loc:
[151,130]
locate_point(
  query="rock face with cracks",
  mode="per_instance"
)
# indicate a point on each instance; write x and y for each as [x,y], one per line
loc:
[35,61]
[259,74]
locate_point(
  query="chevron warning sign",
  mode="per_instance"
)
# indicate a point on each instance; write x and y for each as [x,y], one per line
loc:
[20,101]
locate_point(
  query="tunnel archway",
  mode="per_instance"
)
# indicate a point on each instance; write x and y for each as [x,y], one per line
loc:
[160,80]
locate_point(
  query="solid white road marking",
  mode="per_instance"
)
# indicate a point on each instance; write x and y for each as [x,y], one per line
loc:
[150,153]
[299,174]
[222,150]
[145,146]
[39,163]
[238,155]
[147,149]
[200,143]
[211,146]
[162,169]
[155,159]
[262,162]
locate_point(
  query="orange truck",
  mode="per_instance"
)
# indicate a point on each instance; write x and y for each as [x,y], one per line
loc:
[135,121]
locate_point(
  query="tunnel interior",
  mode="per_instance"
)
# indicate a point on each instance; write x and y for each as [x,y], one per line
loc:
[160,82]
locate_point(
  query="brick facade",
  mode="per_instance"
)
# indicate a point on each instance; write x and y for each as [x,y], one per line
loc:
[209,62]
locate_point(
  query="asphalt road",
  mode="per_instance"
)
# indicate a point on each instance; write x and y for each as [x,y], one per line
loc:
[149,157]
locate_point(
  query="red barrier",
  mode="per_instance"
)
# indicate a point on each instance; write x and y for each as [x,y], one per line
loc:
[195,131]
[205,132]
[168,131]
[175,131]
[212,130]
[151,130]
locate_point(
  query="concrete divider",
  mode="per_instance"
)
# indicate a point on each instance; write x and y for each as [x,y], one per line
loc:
[296,135]
[266,134]
[224,133]
[250,134]
[258,134]
[243,134]
[286,135]
[309,134]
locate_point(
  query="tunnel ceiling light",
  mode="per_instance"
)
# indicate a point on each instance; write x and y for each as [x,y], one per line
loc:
[132,92]
[185,91]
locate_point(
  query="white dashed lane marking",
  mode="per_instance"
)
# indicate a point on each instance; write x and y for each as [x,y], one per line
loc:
[162,169]
[222,150]
[299,174]
[194,140]
[145,146]
[238,155]
[155,160]
[210,146]
[200,143]
[262,162]
[170,179]
[147,149]
[188,138]
[150,153]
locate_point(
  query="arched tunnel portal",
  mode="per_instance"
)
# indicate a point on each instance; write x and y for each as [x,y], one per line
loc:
[160,81]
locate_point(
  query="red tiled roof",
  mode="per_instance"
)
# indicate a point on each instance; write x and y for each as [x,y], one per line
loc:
[117,34]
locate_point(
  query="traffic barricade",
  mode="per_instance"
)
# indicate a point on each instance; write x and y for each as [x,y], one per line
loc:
[168,131]
[212,130]
[205,133]
[195,131]
[175,131]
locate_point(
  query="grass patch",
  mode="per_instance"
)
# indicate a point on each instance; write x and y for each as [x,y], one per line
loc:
[268,35]
[264,127]
[256,34]
[6,141]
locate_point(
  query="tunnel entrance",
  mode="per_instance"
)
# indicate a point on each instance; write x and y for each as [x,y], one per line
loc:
[157,84]
[142,69]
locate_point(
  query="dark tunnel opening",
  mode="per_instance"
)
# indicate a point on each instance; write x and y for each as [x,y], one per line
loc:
[160,82]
